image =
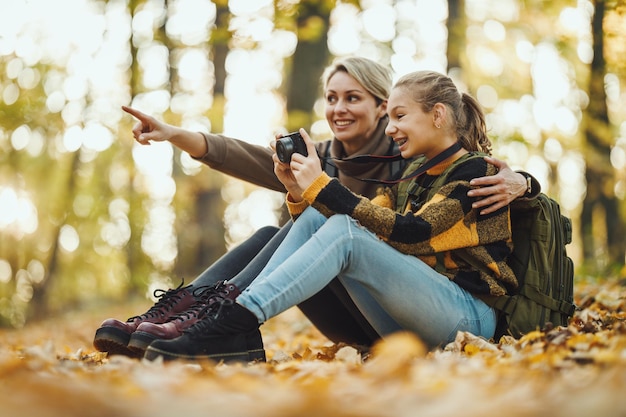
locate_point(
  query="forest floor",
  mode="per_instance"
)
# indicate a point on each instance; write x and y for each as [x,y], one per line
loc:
[51,369]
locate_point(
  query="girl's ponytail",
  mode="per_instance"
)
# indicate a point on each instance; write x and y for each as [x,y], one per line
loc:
[474,131]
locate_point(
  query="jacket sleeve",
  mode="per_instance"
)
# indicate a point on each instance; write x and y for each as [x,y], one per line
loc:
[246,161]
[535,186]
[243,160]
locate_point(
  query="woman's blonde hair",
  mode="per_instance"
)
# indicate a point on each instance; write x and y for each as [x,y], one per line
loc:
[467,119]
[375,78]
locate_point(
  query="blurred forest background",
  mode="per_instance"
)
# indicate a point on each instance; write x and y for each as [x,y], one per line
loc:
[87,216]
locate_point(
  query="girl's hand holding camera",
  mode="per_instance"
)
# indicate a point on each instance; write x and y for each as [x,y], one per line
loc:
[300,171]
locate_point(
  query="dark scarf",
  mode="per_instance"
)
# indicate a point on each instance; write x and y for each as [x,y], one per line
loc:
[349,172]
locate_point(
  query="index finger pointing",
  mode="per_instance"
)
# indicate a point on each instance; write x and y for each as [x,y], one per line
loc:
[136,113]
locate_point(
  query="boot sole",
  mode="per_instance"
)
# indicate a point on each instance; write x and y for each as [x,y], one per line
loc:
[153,353]
[139,342]
[113,341]
[254,353]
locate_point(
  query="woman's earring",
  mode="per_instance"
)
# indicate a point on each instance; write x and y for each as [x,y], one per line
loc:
[438,126]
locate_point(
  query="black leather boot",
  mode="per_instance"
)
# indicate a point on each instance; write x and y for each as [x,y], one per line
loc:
[228,332]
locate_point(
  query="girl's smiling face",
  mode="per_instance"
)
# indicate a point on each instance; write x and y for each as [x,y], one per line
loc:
[351,111]
[414,129]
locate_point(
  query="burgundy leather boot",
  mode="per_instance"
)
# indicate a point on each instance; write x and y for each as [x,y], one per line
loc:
[147,332]
[113,335]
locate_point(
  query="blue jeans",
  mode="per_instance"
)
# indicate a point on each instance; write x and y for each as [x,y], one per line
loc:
[331,310]
[394,291]
[242,264]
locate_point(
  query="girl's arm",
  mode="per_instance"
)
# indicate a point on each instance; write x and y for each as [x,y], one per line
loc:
[446,222]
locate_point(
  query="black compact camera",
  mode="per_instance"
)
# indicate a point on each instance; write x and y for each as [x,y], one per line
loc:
[290,144]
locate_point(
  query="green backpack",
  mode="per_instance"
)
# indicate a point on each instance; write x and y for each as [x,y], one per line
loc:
[544,271]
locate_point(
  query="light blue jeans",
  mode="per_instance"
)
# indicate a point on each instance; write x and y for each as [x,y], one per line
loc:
[394,291]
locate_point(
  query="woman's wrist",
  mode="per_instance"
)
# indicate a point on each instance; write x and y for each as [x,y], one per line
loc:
[194,143]
[529,185]
[532,187]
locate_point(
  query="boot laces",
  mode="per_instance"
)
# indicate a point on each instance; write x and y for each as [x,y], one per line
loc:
[204,295]
[210,314]
[167,300]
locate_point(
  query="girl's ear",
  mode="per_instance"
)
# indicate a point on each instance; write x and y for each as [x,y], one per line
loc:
[439,114]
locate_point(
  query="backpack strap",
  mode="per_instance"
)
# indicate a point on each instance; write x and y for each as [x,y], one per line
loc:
[406,188]
[395,167]
[506,303]
[413,188]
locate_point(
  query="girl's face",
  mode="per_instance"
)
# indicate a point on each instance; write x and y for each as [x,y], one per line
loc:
[351,111]
[413,129]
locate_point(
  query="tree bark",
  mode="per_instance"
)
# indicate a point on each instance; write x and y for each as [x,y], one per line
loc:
[456,25]
[600,175]
[308,62]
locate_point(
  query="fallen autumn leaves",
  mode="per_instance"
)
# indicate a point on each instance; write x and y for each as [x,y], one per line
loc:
[51,369]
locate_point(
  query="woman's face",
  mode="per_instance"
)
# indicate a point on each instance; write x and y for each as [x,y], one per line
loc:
[413,129]
[351,110]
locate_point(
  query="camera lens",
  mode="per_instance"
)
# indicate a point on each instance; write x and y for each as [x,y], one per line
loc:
[284,149]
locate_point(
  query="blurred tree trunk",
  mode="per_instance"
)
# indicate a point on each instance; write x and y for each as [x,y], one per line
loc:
[600,206]
[308,61]
[171,46]
[202,236]
[209,205]
[39,303]
[135,73]
[220,37]
[456,25]
[219,47]
[138,264]
[210,218]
